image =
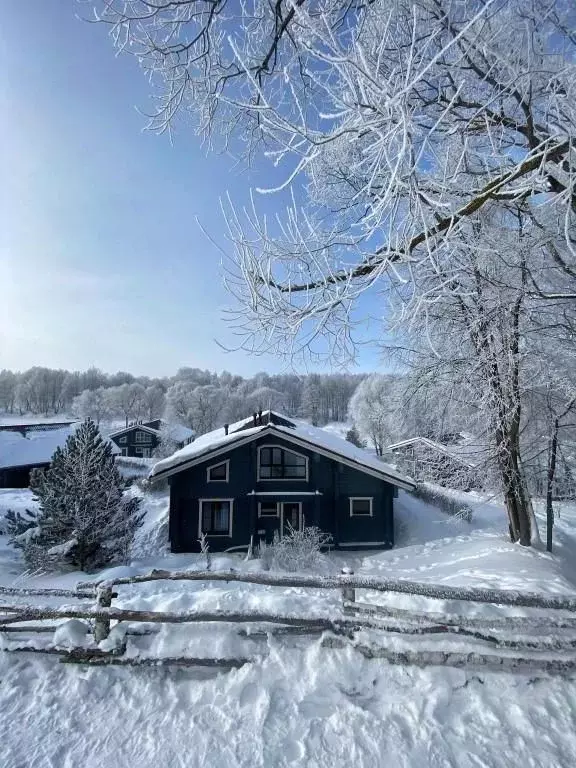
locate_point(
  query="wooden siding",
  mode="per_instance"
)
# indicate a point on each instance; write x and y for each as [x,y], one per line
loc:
[325,499]
[130,443]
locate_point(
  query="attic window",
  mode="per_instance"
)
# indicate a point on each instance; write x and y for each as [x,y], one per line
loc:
[276,463]
[218,473]
[143,437]
[361,506]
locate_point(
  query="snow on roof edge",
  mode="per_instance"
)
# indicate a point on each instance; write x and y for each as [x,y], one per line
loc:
[205,445]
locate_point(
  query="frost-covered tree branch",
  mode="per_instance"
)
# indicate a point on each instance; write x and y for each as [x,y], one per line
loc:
[390,124]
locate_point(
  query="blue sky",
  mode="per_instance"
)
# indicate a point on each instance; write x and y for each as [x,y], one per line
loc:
[101,262]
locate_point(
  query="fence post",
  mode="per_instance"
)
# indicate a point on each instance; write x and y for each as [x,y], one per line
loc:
[348,593]
[102,626]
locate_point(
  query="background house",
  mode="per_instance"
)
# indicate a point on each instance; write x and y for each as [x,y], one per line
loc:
[455,463]
[141,439]
[259,477]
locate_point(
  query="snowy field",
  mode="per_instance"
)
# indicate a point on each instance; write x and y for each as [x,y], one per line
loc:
[301,704]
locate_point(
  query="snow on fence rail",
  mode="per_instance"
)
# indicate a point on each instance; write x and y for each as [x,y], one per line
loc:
[356,616]
[352,582]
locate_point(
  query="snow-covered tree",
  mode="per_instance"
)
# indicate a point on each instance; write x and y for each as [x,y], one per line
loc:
[94,404]
[374,410]
[197,407]
[84,519]
[155,402]
[129,400]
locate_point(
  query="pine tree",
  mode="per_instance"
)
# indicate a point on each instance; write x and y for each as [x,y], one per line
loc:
[353,436]
[84,520]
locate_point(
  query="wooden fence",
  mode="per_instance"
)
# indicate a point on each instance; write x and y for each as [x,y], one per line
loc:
[545,643]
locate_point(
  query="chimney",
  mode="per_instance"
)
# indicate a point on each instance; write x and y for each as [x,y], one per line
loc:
[255,418]
[260,416]
[226,429]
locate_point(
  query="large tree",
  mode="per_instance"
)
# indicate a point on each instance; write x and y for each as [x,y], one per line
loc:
[84,518]
[397,124]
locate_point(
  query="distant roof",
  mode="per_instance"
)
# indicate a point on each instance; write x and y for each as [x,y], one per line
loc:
[293,430]
[34,426]
[177,432]
[35,449]
[466,453]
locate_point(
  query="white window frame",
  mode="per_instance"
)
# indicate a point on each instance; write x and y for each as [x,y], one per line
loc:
[216,535]
[282,479]
[141,436]
[123,439]
[361,498]
[125,451]
[218,480]
[269,517]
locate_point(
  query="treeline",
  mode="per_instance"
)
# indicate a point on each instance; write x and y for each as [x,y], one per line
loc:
[200,399]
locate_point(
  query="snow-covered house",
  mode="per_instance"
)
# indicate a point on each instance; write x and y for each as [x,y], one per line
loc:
[20,454]
[139,440]
[249,480]
[455,464]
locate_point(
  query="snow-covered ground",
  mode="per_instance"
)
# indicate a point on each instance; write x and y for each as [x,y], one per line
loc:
[300,704]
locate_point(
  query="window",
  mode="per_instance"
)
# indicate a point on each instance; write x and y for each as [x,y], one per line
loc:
[124,451]
[215,517]
[275,463]
[142,437]
[268,509]
[218,472]
[361,506]
[123,439]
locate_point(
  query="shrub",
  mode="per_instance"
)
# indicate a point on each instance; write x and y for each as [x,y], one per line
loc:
[297,550]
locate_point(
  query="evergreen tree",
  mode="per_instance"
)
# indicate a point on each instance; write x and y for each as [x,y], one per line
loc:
[84,520]
[353,436]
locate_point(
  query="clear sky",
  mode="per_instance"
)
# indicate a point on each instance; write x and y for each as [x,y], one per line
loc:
[101,261]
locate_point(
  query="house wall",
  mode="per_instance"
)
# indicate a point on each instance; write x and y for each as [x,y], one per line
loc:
[129,445]
[18,477]
[329,509]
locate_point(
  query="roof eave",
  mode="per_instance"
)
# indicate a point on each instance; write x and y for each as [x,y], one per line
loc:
[404,483]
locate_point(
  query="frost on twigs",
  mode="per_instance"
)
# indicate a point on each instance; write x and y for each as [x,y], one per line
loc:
[297,551]
[205,550]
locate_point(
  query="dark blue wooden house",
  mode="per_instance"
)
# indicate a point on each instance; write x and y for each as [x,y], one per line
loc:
[246,481]
[140,439]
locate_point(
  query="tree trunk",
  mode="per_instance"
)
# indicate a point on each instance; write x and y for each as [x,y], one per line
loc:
[550,484]
[515,492]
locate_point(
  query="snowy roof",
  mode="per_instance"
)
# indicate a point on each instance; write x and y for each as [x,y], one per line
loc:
[176,432]
[300,433]
[467,452]
[36,448]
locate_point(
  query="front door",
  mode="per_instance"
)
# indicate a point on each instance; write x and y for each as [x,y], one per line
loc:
[290,516]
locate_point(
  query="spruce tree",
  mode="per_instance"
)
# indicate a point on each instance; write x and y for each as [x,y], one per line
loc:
[84,520]
[353,436]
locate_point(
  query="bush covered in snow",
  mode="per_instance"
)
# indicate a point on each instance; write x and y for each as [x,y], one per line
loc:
[84,519]
[297,550]
[442,499]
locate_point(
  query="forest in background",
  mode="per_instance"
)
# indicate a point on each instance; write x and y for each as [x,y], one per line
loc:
[199,399]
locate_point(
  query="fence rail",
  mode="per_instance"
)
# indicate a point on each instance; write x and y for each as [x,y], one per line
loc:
[528,632]
[375,583]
